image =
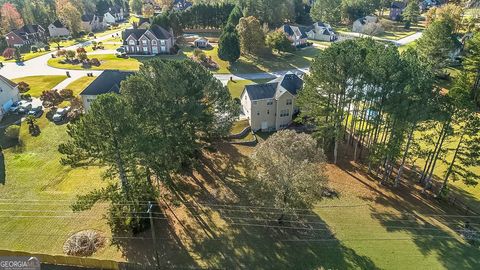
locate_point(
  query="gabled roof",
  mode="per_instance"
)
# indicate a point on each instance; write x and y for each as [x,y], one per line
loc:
[273,89]
[7,81]
[157,31]
[58,24]
[294,30]
[26,30]
[261,91]
[108,82]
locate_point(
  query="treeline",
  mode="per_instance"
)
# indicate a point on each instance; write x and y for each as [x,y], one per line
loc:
[206,15]
[369,96]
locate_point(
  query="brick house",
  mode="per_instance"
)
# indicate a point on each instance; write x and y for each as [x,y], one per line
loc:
[27,35]
[155,40]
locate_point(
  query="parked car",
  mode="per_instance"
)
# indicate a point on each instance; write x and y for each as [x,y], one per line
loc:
[24,107]
[15,106]
[36,111]
[60,114]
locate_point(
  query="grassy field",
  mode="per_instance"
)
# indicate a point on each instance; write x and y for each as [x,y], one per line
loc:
[268,63]
[236,87]
[108,61]
[80,84]
[38,84]
[37,192]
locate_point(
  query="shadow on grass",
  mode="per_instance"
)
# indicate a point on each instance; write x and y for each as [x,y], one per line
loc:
[233,229]
[434,226]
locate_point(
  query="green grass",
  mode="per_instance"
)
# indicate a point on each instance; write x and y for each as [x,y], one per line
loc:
[236,87]
[80,84]
[268,63]
[239,126]
[33,173]
[38,84]
[108,61]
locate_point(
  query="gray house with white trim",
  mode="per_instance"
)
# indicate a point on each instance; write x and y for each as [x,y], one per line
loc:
[155,40]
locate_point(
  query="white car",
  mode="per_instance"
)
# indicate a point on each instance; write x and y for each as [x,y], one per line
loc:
[60,114]
[24,106]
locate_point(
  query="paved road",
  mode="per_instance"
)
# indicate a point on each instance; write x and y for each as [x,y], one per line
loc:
[38,66]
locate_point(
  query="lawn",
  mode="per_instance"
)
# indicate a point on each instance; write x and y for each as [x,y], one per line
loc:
[236,87]
[78,85]
[27,56]
[38,190]
[108,61]
[273,62]
[38,84]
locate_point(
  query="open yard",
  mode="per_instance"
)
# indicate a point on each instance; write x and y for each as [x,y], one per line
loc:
[37,191]
[80,84]
[236,87]
[38,84]
[108,61]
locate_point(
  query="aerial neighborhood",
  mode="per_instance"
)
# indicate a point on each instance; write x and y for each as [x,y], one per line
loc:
[240,134]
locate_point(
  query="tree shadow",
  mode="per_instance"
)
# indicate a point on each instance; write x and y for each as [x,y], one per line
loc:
[227,231]
[434,225]
[3,175]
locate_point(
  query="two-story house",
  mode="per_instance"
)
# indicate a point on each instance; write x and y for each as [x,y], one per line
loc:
[271,106]
[57,29]
[322,31]
[108,82]
[27,35]
[396,10]
[155,40]
[295,34]
[114,14]
[93,23]
[9,94]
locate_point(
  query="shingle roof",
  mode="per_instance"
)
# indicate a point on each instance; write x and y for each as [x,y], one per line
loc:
[292,83]
[261,91]
[87,17]
[7,81]
[108,82]
[398,4]
[158,32]
[58,24]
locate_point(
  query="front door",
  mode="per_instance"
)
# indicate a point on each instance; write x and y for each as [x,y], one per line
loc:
[155,50]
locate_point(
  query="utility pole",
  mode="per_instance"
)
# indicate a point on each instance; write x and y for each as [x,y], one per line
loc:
[152,228]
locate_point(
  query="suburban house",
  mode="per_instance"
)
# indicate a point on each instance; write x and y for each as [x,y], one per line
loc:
[155,40]
[181,4]
[271,106]
[57,29]
[93,23]
[396,10]
[294,34]
[9,94]
[201,42]
[114,14]
[359,25]
[108,82]
[322,31]
[27,35]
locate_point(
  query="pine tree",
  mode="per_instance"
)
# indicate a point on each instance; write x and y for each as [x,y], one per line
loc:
[229,45]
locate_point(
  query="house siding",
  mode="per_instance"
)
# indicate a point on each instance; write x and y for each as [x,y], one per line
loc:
[8,94]
[58,32]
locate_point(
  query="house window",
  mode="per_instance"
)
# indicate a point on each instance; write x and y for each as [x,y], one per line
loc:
[270,102]
[154,42]
[144,42]
[268,111]
[145,49]
[284,113]
[162,42]
[289,102]
[131,42]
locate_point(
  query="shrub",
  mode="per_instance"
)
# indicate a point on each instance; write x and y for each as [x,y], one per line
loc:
[9,53]
[61,52]
[26,97]
[23,87]
[66,93]
[51,98]
[46,48]
[95,62]
[12,132]
[34,49]
[81,50]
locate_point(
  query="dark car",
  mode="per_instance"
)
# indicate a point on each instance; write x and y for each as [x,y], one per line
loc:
[36,111]
[25,107]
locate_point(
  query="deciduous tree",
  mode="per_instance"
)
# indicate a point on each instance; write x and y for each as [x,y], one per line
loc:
[252,38]
[10,17]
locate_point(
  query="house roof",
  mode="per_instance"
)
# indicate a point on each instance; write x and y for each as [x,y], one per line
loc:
[261,91]
[7,81]
[58,24]
[290,82]
[294,30]
[27,29]
[87,17]
[108,82]
[398,4]
[157,31]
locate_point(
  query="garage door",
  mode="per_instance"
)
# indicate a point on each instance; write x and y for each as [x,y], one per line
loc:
[6,106]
